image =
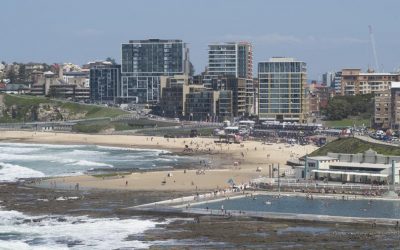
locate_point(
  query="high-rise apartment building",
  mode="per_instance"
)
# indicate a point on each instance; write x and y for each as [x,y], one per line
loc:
[144,61]
[337,83]
[355,82]
[328,79]
[231,59]
[105,78]
[282,90]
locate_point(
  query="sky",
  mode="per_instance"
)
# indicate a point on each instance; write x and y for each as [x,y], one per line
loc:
[328,35]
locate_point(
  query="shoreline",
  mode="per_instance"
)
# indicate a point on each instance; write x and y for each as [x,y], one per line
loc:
[250,156]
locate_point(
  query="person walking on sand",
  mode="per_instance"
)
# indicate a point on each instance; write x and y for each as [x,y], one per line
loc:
[126,183]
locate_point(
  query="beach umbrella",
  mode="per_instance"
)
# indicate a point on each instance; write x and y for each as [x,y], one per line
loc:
[231,182]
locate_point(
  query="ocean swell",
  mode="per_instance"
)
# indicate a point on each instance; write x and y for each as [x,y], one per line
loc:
[11,172]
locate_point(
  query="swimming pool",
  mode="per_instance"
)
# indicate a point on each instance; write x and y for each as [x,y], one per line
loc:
[300,205]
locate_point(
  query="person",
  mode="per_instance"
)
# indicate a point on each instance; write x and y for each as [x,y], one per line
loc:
[126,183]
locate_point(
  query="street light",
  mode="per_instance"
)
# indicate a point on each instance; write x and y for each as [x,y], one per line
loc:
[279,178]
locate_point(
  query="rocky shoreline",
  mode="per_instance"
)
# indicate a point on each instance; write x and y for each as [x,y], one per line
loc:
[200,232]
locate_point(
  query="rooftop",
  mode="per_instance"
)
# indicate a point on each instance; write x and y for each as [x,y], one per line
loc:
[322,158]
[360,165]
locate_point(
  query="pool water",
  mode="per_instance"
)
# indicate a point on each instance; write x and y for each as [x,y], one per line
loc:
[300,205]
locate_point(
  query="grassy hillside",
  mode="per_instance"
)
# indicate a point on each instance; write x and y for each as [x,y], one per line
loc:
[348,122]
[19,108]
[353,146]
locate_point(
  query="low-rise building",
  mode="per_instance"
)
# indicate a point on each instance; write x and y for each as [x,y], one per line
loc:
[173,95]
[202,104]
[367,167]
[80,79]
[387,107]
[355,82]
[238,87]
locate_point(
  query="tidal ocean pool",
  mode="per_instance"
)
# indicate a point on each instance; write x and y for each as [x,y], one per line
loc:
[319,206]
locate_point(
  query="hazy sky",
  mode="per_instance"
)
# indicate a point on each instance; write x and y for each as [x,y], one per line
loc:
[327,34]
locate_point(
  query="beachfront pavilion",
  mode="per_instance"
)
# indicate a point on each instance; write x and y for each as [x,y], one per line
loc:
[368,167]
[355,173]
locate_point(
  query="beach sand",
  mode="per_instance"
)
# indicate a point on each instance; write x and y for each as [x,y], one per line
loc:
[250,155]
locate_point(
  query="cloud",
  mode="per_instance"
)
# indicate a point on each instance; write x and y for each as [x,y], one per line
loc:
[274,38]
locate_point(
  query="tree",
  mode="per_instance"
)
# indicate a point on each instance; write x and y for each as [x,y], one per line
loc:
[22,74]
[340,107]
[111,60]
[11,75]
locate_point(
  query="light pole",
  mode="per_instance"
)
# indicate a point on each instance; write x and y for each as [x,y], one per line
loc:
[279,179]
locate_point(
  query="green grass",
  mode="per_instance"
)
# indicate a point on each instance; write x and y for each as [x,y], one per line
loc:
[90,128]
[348,123]
[114,174]
[92,111]
[25,104]
[354,146]
[10,100]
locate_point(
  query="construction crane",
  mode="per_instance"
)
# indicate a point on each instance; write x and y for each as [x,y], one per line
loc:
[371,36]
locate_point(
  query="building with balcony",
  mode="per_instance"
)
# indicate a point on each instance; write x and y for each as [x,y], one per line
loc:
[233,59]
[105,80]
[282,94]
[355,82]
[144,62]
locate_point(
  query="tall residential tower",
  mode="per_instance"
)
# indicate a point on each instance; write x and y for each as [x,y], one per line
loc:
[144,61]
[231,59]
[282,90]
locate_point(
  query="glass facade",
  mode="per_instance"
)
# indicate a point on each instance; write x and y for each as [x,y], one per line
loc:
[144,61]
[282,94]
[104,80]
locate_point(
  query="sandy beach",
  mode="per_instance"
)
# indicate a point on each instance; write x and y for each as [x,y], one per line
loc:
[249,155]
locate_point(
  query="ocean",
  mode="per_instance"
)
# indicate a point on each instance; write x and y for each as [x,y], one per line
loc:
[23,160]
[23,231]
[20,231]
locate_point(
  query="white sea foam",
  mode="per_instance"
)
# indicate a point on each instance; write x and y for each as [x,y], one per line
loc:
[80,232]
[11,172]
[18,150]
[90,164]
[133,149]
[38,160]
[18,144]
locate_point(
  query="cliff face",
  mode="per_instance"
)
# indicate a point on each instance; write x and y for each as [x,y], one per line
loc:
[40,112]
[24,108]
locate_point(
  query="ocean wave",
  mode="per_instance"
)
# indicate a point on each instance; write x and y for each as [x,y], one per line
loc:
[18,150]
[62,232]
[61,146]
[32,157]
[90,164]
[133,149]
[11,172]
